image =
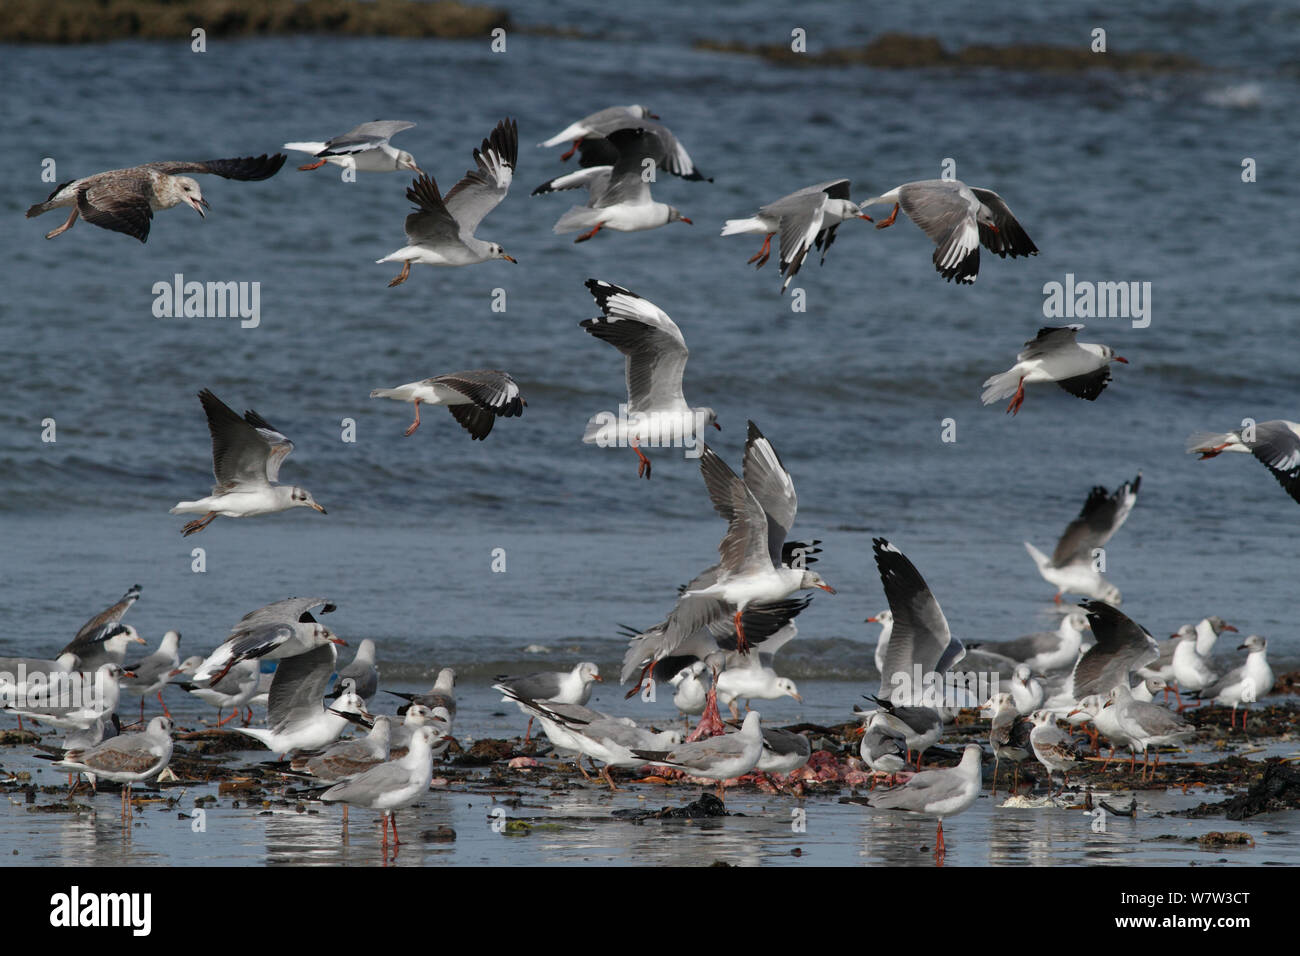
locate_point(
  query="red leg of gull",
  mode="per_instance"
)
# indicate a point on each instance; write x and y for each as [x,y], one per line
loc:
[587,235]
[1209,453]
[231,716]
[939,847]
[167,713]
[642,468]
[396,841]
[763,253]
[881,225]
[197,525]
[401,276]
[918,760]
[248,718]
[72,217]
[640,682]
[415,424]
[1017,399]
[316,165]
[742,645]
[529,731]
[572,149]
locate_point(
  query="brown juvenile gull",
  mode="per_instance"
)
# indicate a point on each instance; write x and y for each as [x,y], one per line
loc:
[441,230]
[124,200]
[246,457]
[958,219]
[474,397]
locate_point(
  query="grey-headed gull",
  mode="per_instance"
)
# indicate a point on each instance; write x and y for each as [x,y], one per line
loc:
[124,200]
[235,690]
[364,149]
[392,785]
[1147,725]
[362,671]
[885,619]
[1122,647]
[296,715]
[126,758]
[1026,690]
[719,758]
[1275,443]
[102,626]
[110,648]
[1191,664]
[545,687]
[246,457]
[589,135]
[803,220]
[958,219]
[153,672]
[1053,747]
[618,187]
[1073,565]
[441,694]
[655,357]
[783,751]
[441,230]
[1244,685]
[72,701]
[280,629]
[935,793]
[921,638]
[1055,355]
[1046,650]
[475,398]
[1008,736]
[750,675]
[751,570]
[1092,708]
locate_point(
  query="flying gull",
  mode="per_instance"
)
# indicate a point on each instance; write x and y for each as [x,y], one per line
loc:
[655,358]
[1073,564]
[277,630]
[365,149]
[124,200]
[475,398]
[1275,443]
[296,716]
[441,230]
[588,135]
[1055,355]
[1122,647]
[246,457]
[804,219]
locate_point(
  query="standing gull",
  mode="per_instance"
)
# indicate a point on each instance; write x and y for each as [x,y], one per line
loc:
[1244,685]
[618,189]
[1275,443]
[153,672]
[124,200]
[246,457]
[1009,737]
[935,793]
[365,149]
[655,358]
[1055,355]
[1147,725]
[1073,564]
[716,758]
[390,786]
[441,694]
[126,758]
[958,219]
[475,398]
[804,219]
[1053,747]
[441,230]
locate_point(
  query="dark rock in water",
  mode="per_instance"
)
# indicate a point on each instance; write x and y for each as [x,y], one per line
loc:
[707,806]
[485,752]
[444,834]
[1277,789]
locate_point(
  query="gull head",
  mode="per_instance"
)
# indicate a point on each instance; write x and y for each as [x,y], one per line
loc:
[811,579]
[301,498]
[884,618]
[406,161]
[1253,643]
[159,725]
[587,671]
[187,666]
[1110,594]
[1078,620]
[675,215]
[184,189]
[496,252]
[709,416]
[644,111]
[1219,624]
[788,688]
[320,634]
[1109,355]
[985,218]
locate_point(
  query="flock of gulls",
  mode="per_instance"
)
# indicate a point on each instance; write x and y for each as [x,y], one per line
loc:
[1099,673]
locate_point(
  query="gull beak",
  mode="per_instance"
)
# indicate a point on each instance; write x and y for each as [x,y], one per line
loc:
[599,678]
[1120,358]
[128,673]
[717,426]
[339,641]
[1229,627]
[1241,647]
[141,640]
[994,228]
[199,205]
[416,168]
[687,221]
[509,258]
[871,620]
[653,116]
[319,508]
[863,215]
[827,588]
[1077,710]
[797,697]
[1107,704]
[174,673]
